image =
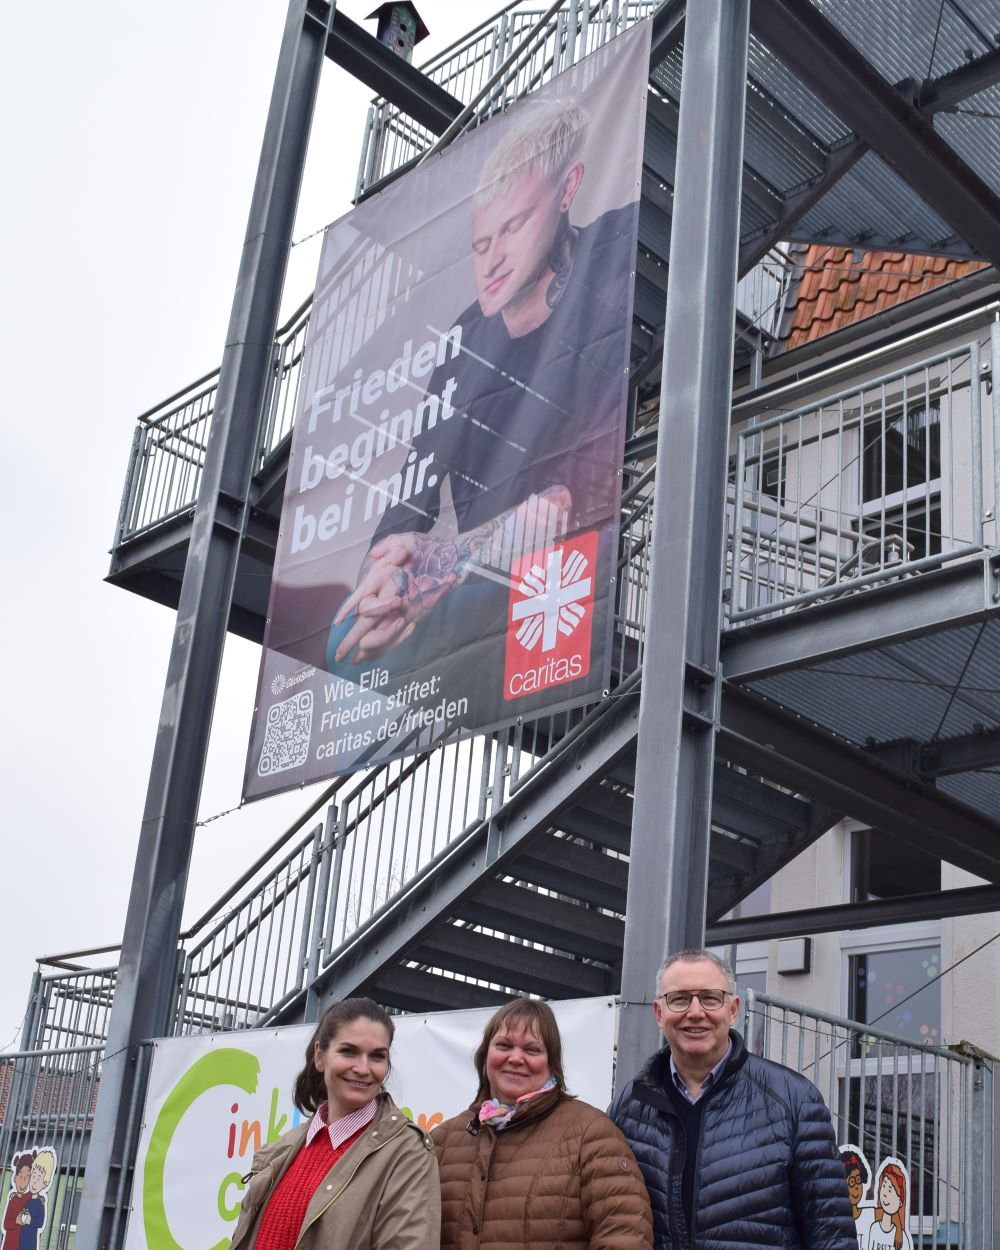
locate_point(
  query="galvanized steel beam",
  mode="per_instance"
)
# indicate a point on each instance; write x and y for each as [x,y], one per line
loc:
[668,30]
[416,990]
[938,95]
[575,871]
[815,50]
[958,594]
[798,203]
[146,992]
[974,900]
[668,877]
[947,756]
[399,82]
[775,743]
[503,962]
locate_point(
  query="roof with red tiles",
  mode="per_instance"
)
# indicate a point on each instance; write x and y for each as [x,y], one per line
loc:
[839,286]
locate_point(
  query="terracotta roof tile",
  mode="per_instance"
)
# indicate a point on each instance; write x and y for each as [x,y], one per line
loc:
[839,286]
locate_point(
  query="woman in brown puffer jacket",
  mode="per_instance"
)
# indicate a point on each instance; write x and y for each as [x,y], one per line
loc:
[527,1166]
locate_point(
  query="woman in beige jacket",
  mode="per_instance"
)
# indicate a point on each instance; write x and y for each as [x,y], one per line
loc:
[355,1175]
[527,1166]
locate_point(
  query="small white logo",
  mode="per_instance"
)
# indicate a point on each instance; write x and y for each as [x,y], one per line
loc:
[552,603]
[280,682]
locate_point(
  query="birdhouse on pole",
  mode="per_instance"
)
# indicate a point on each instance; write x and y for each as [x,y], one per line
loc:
[400,26]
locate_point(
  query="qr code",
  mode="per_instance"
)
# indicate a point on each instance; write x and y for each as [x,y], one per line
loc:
[287,734]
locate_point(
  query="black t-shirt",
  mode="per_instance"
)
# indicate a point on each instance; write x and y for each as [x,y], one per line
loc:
[539,410]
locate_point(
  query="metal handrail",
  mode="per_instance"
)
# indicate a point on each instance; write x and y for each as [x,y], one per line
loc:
[760,400]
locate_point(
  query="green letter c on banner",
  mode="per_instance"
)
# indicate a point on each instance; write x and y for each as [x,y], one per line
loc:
[219,1067]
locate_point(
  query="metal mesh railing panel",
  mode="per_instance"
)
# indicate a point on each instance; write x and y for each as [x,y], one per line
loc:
[879,482]
[893,1099]
[70,1009]
[244,965]
[47,1101]
[168,456]
[392,138]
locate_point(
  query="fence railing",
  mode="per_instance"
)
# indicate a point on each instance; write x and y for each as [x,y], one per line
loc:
[882,480]
[69,1008]
[47,1100]
[393,139]
[930,1107]
[169,442]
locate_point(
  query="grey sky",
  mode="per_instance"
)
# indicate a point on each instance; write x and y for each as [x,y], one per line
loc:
[130,144]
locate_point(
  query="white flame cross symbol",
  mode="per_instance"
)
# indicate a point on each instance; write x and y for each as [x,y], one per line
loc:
[553,603]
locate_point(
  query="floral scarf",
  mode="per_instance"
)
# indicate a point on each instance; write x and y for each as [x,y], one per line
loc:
[499,1114]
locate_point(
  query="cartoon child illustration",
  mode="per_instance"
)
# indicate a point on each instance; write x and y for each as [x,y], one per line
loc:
[888,1230]
[859,1177]
[17,1200]
[33,1216]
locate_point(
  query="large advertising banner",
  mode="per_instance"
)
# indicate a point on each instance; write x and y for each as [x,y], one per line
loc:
[212,1101]
[447,553]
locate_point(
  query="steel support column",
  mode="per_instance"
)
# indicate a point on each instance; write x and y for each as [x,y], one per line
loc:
[668,878]
[146,993]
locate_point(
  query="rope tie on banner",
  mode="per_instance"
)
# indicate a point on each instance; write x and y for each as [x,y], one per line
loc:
[219,815]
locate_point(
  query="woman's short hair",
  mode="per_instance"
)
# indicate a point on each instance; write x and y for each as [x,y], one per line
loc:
[536,1017]
[309,1091]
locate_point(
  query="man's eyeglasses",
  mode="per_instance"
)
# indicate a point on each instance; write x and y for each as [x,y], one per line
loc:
[680,1000]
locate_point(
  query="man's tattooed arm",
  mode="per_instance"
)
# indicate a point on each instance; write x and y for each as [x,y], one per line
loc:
[406,575]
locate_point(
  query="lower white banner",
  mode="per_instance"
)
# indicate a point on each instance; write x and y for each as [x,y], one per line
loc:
[213,1100]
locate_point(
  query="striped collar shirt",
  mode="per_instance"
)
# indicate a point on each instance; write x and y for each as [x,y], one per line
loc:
[706,1084]
[340,1130]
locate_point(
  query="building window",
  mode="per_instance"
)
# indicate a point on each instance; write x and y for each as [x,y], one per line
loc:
[897,991]
[908,456]
[772,475]
[882,867]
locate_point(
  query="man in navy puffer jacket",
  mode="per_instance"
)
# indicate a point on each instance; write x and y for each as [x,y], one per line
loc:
[738,1153]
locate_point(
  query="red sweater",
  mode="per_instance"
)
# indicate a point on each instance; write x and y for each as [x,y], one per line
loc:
[281,1222]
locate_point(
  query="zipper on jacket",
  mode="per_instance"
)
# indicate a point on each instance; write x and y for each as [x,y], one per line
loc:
[478,1228]
[323,1210]
[246,1181]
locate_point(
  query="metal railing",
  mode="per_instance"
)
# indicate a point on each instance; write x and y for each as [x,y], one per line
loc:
[169,442]
[69,1008]
[928,1106]
[392,139]
[47,1100]
[878,481]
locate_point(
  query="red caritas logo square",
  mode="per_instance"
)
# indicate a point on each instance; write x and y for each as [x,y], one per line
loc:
[550,616]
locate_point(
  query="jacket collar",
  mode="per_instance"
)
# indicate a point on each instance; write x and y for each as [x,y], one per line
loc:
[529,1112]
[653,1083]
[283,1151]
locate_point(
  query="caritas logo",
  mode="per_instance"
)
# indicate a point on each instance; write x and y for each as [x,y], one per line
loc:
[549,616]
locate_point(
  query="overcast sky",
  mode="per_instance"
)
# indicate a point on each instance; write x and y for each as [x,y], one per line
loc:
[129,147]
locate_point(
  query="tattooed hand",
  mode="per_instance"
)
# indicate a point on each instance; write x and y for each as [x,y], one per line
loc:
[402,578]
[406,575]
